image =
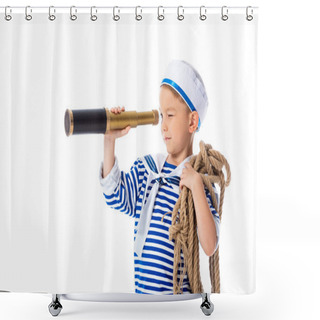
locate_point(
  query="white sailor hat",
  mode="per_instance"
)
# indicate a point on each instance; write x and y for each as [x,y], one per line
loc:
[186,80]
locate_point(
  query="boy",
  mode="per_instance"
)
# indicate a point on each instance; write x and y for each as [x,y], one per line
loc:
[154,182]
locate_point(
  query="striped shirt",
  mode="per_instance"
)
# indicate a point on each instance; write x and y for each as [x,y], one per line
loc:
[122,191]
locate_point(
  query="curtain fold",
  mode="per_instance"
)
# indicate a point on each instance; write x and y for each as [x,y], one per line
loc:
[56,232]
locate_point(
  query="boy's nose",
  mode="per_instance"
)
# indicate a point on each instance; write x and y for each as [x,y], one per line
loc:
[164,126]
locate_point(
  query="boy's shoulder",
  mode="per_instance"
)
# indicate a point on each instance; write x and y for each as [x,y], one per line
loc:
[153,156]
[153,160]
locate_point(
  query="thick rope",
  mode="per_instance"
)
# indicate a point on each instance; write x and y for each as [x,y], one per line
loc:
[184,223]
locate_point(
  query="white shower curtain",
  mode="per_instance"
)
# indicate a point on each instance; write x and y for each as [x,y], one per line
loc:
[57,234]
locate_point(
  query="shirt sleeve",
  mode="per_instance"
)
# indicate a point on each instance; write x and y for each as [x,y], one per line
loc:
[120,189]
[214,212]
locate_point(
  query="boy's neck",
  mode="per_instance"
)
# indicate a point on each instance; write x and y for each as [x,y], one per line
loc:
[177,159]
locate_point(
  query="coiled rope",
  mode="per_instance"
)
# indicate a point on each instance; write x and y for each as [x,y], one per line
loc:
[184,224]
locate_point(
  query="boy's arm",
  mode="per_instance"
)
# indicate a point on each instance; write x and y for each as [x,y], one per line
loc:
[108,157]
[109,142]
[206,222]
[121,189]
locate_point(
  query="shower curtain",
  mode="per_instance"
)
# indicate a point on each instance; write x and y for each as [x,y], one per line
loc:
[57,234]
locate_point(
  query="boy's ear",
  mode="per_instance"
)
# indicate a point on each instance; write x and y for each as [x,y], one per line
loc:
[194,119]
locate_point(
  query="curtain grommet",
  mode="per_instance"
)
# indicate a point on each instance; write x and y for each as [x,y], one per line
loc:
[73,16]
[138,16]
[7,16]
[51,16]
[203,15]
[93,17]
[249,16]
[160,16]
[115,17]
[180,16]
[28,17]
[224,17]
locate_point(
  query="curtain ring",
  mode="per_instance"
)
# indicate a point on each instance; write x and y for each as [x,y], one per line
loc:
[249,16]
[8,17]
[93,17]
[180,16]
[224,17]
[160,16]
[139,16]
[203,16]
[52,16]
[28,16]
[116,17]
[73,16]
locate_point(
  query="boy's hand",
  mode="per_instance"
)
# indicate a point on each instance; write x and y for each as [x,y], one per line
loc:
[112,135]
[189,177]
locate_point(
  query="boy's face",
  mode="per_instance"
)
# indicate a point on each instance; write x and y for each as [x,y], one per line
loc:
[177,121]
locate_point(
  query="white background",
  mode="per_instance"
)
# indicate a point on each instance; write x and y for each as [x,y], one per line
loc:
[288,174]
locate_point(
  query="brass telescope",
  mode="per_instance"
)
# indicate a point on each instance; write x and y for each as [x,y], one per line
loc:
[86,121]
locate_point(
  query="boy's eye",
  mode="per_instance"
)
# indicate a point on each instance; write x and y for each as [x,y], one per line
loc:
[169,115]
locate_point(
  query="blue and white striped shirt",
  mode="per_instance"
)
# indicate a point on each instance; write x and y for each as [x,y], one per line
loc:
[123,191]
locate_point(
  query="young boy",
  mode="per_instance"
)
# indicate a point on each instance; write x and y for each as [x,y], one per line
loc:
[154,182]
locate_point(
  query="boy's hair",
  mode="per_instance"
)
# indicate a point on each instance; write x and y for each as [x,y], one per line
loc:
[177,95]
